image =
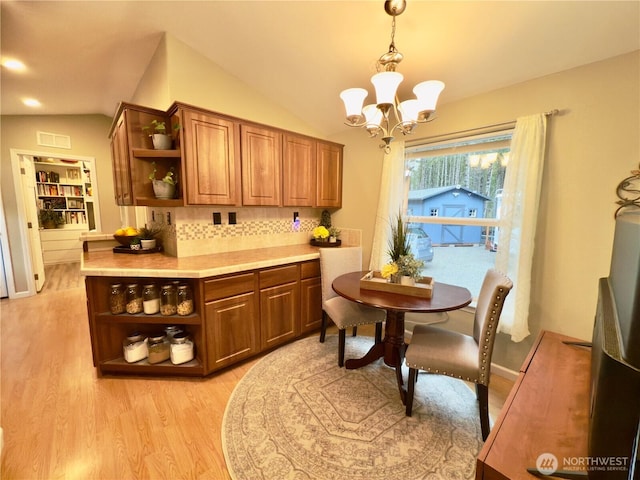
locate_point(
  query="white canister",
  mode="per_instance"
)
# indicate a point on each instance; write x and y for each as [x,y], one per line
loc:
[135,347]
[181,348]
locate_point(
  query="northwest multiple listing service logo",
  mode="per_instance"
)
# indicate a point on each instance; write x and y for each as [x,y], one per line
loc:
[548,464]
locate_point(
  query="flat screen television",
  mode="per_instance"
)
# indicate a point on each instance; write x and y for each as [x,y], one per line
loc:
[614,423]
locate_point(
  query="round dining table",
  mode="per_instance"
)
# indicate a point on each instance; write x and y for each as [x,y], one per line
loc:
[444,298]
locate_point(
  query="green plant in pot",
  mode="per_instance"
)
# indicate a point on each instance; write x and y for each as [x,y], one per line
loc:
[148,236]
[165,188]
[159,136]
[50,218]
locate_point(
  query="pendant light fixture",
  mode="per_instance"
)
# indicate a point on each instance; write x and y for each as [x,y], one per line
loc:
[388,114]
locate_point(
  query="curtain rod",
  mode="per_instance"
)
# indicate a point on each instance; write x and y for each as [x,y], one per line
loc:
[496,127]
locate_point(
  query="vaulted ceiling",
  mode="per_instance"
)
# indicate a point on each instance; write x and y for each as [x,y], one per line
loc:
[86,56]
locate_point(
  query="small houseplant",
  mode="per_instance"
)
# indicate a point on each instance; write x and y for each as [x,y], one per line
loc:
[165,188]
[159,136]
[148,236]
[334,234]
[50,218]
[399,241]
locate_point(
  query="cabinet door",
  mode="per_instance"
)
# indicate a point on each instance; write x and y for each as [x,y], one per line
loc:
[311,304]
[232,327]
[212,166]
[121,165]
[329,175]
[279,307]
[261,166]
[298,171]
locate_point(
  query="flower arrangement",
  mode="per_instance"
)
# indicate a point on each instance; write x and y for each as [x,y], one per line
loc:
[320,232]
[399,241]
[405,266]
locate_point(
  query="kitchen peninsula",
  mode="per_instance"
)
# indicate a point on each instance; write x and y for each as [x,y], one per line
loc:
[245,302]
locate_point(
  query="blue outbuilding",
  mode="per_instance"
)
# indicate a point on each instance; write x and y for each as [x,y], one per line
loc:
[450,201]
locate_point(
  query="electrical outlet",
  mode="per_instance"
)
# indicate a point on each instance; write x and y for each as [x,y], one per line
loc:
[295,216]
[217,218]
[232,218]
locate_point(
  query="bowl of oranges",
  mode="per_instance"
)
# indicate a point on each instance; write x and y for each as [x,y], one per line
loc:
[124,236]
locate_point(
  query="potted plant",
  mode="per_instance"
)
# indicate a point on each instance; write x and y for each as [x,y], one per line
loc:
[320,233]
[148,236]
[165,188]
[49,218]
[159,136]
[409,269]
[334,234]
[399,241]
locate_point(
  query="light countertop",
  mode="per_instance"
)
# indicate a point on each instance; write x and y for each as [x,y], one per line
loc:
[109,264]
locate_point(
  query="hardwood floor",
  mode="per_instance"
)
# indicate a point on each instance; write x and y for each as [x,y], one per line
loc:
[61,421]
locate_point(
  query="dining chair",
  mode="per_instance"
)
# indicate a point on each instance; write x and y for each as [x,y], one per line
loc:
[467,357]
[344,313]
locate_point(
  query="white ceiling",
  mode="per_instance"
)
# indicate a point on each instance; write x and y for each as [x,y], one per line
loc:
[86,56]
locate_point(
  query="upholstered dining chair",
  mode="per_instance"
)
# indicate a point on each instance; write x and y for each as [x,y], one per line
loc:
[467,357]
[344,313]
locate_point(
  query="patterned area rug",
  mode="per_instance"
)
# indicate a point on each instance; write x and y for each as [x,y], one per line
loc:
[296,415]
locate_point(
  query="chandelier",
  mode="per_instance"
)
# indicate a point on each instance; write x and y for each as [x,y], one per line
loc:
[388,115]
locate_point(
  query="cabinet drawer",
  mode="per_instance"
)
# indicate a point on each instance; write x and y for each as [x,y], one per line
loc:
[218,288]
[278,276]
[310,269]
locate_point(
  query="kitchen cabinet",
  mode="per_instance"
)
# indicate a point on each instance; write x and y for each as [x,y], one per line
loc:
[211,159]
[236,316]
[298,171]
[232,321]
[279,305]
[329,175]
[223,160]
[261,166]
[108,330]
[134,158]
[310,296]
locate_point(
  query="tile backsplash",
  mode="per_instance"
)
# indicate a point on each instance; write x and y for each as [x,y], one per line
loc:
[192,230]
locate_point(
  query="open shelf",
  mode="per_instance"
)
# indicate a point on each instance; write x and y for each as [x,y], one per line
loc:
[155,319]
[152,153]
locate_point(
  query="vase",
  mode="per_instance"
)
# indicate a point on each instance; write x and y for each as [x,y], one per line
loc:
[148,244]
[163,190]
[161,141]
[407,280]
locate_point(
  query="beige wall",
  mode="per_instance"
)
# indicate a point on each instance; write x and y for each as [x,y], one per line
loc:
[592,146]
[88,138]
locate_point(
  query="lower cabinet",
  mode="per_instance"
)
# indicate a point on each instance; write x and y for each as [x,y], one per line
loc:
[235,317]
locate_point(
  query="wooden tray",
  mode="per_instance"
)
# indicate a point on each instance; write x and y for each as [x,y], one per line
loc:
[374,281]
[317,243]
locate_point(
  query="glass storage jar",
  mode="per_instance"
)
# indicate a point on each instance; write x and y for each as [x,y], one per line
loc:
[135,347]
[185,300]
[159,348]
[181,348]
[168,300]
[150,299]
[171,330]
[116,299]
[134,298]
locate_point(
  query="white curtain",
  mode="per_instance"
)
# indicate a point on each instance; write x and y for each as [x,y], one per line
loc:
[389,203]
[518,216]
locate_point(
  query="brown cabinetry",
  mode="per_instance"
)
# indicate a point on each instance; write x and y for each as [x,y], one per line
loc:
[261,166]
[134,158]
[310,296]
[108,330]
[211,159]
[298,171]
[235,317]
[232,321]
[329,175]
[279,305]
[221,160]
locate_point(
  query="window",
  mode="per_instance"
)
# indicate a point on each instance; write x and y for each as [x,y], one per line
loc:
[453,195]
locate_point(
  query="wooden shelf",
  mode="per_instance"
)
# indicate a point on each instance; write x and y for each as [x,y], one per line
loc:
[156,319]
[152,153]
[120,365]
[158,202]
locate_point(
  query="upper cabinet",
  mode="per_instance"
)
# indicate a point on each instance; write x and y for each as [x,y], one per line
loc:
[328,175]
[221,160]
[211,159]
[261,166]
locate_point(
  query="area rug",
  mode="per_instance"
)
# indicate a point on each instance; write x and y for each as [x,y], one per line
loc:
[297,415]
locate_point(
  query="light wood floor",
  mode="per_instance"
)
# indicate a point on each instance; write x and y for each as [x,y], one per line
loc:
[62,422]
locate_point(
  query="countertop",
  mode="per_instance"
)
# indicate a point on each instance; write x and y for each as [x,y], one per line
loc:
[109,264]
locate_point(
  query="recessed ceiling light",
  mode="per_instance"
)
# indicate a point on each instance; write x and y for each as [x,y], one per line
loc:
[13,64]
[31,102]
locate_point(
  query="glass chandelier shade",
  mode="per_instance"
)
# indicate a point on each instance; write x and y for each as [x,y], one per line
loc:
[379,117]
